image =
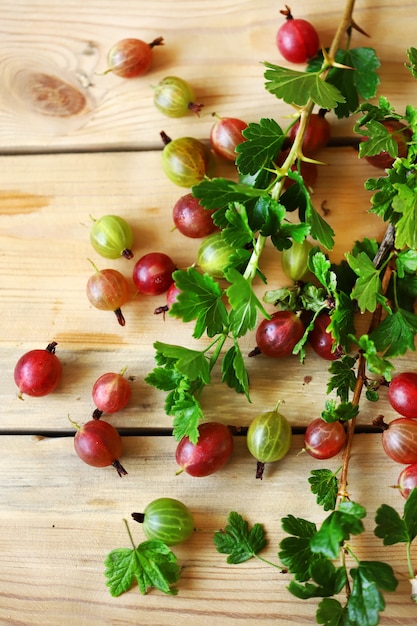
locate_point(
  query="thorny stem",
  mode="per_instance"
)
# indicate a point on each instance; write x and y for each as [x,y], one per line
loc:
[295,151]
[361,376]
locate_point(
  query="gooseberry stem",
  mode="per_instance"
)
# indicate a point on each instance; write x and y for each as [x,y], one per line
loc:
[129,533]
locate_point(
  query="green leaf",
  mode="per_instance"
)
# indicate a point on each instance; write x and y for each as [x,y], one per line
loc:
[244,303]
[331,613]
[329,581]
[151,564]
[234,372]
[380,140]
[343,378]
[396,333]
[324,484]
[238,540]
[297,88]
[376,364]
[412,64]
[406,262]
[359,82]
[239,233]
[218,193]
[337,528]
[405,203]
[319,228]
[366,601]
[410,514]
[343,412]
[320,265]
[187,414]
[367,290]
[191,363]
[263,141]
[200,299]
[295,552]
[392,528]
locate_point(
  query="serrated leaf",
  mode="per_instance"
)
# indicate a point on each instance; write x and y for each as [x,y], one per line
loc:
[295,552]
[410,514]
[396,333]
[238,540]
[218,193]
[392,528]
[361,81]
[297,88]
[337,528]
[187,414]
[367,290]
[365,601]
[244,303]
[324,484]
[376,364]
[343,378]
[405,204]
[412,61]
[263,141]
[234,372]
[151,564]
[200,299]
[319,228]
[343,412]
[329,581]
[331,613]
[191,363]
[380,140]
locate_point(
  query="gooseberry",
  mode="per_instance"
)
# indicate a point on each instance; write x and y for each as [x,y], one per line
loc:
[294,260]
[323,440]
[225,135]
[268,439]
[214,255]
[111,392]
[191,218]
[174,97]
[213,449]
[276,337]
[131,57]
[297,39]
[152,273]
[186,160]
[322,340]
[98,443]
[112,237]
[402,394]
[38,372]
[167,520]
[108,290]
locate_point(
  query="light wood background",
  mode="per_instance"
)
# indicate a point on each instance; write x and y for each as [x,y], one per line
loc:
[59,518]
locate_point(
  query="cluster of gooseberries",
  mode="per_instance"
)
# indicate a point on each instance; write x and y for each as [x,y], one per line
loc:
[186,161]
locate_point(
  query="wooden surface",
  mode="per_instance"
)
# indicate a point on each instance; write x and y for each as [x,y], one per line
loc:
[58,517]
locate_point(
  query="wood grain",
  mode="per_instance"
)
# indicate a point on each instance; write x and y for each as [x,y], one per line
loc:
[76,143]
[60,518]
[44,237]
[218,46]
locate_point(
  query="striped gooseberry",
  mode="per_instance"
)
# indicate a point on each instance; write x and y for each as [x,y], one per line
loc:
[186,160]
[112,237]
[268,439]
[167,520]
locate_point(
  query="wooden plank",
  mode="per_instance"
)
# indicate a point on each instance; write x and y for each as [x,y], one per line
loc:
[46,205]
[218,46]
[60,518]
